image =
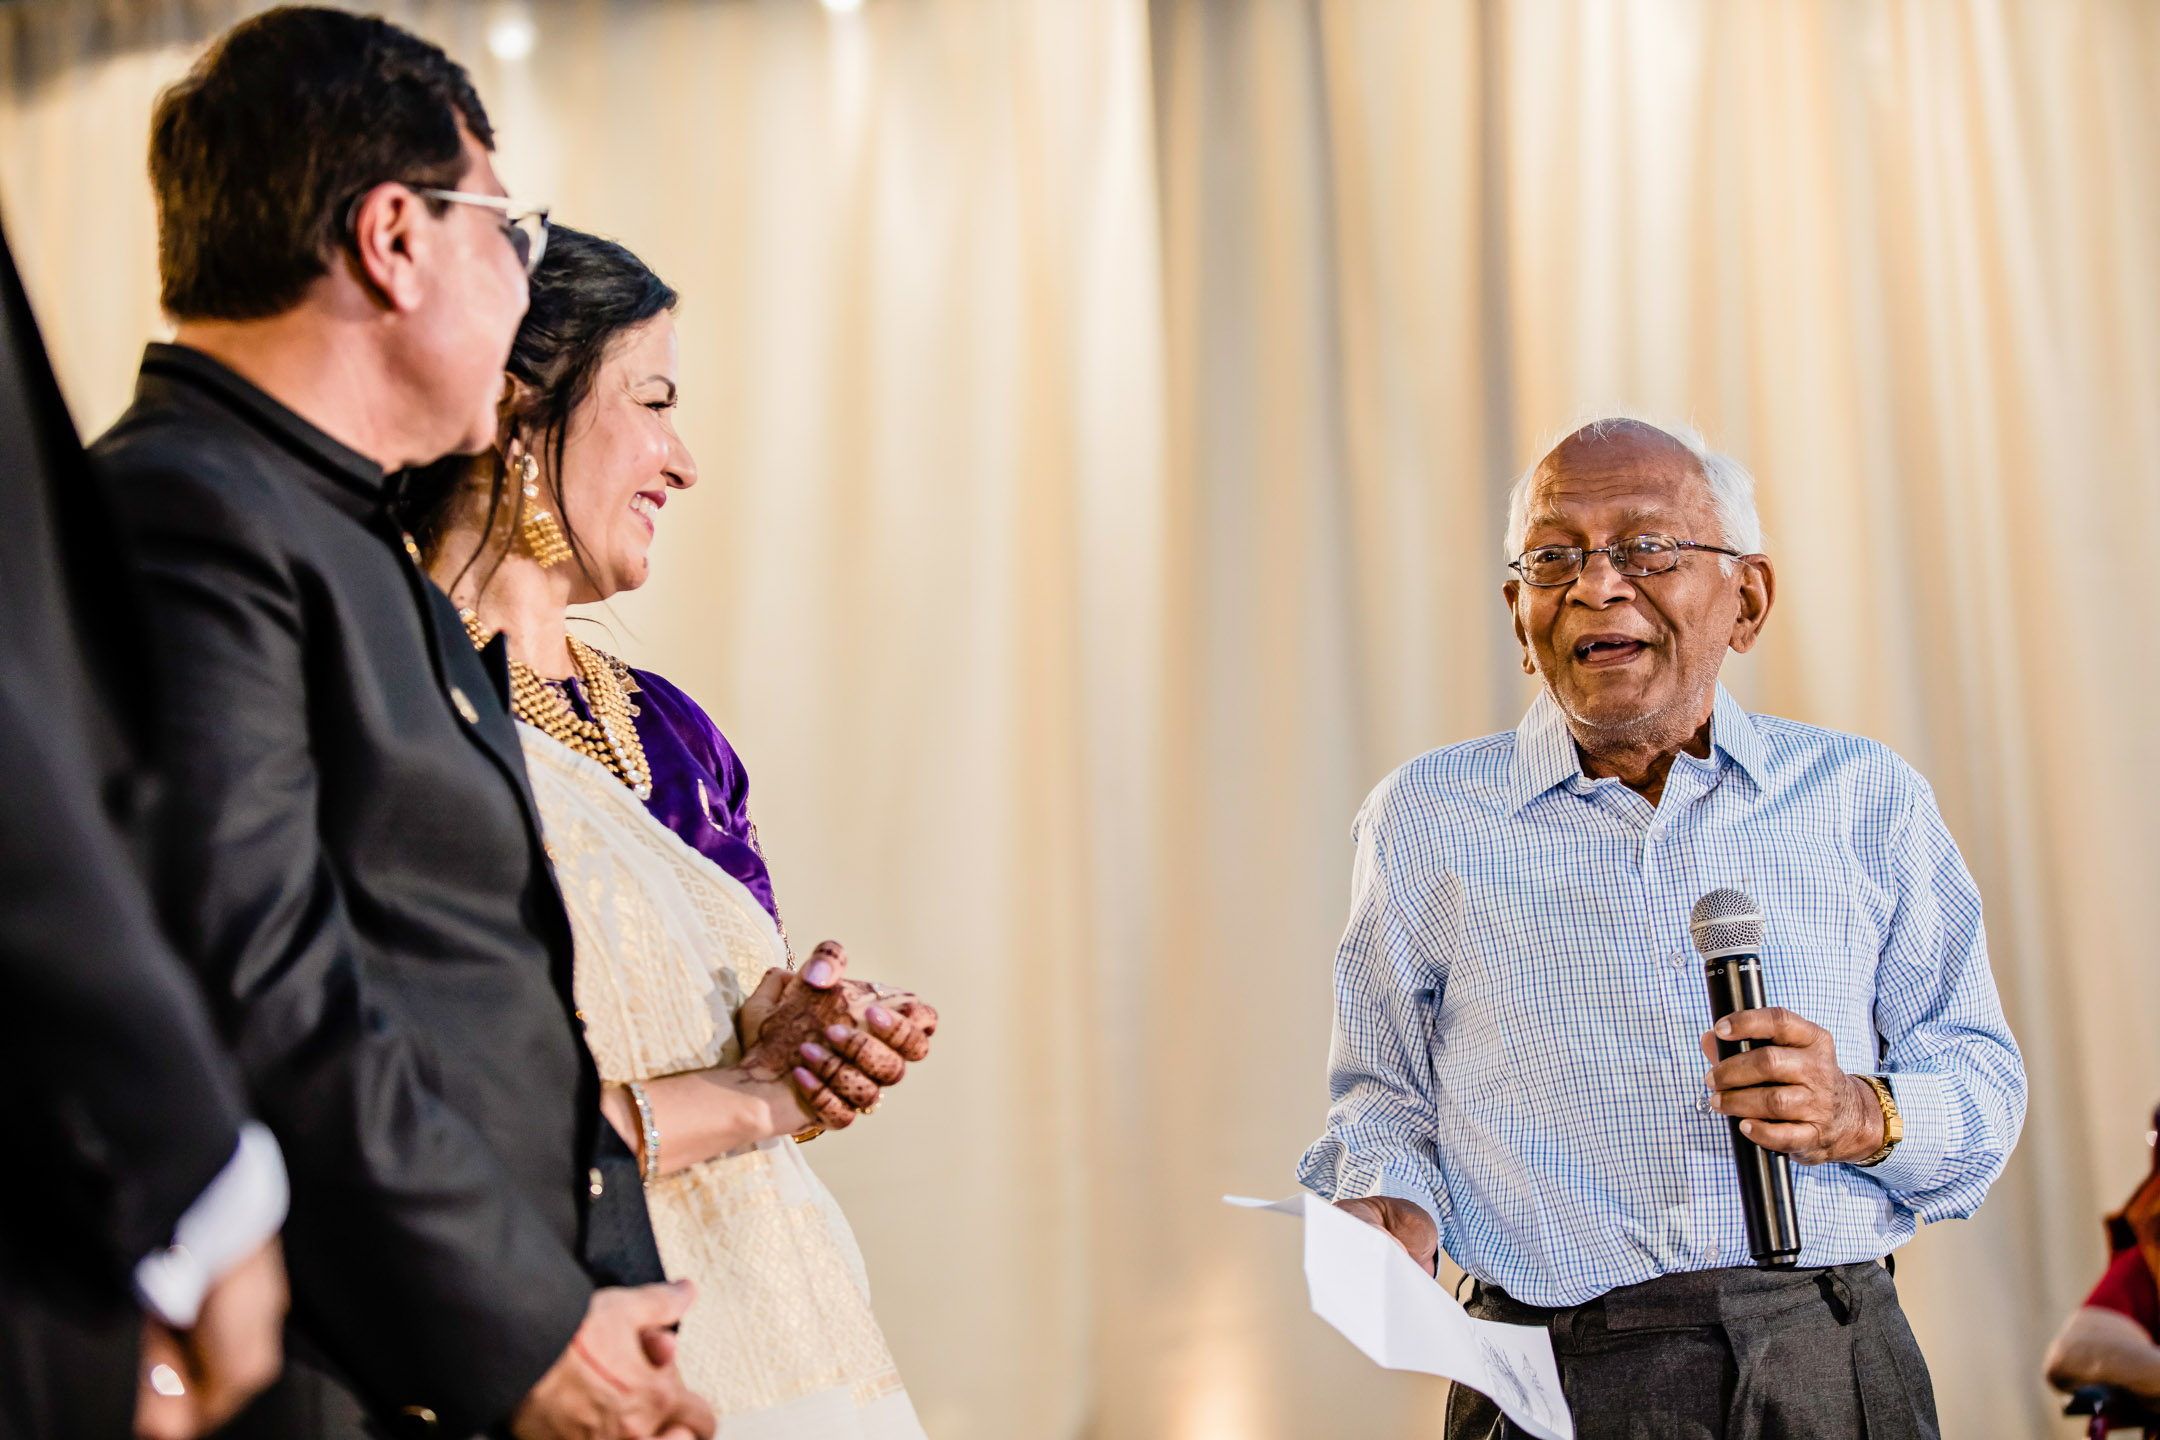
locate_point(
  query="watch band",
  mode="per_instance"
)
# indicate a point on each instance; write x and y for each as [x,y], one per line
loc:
[1893,1124]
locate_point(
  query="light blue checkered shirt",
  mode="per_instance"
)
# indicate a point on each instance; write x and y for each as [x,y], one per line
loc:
[1518,1008]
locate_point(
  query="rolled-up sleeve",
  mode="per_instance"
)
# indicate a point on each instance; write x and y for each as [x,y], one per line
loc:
[1382,1122]
[1948,1053]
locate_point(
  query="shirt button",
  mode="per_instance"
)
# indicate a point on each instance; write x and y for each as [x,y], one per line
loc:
[594,1182]
[1678,959]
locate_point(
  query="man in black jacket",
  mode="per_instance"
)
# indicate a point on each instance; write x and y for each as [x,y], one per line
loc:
[141,1181]
[357,867]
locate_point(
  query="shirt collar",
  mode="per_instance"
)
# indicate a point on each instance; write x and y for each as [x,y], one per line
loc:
[340,462]
[1545,753]
[1734,732]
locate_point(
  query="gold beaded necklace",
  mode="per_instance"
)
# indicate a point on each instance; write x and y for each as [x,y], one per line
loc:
[610,737]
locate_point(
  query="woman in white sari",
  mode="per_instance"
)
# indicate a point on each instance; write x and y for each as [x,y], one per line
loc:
[714,1056]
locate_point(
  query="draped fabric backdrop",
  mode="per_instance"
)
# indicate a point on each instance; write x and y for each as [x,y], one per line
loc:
[1104,411]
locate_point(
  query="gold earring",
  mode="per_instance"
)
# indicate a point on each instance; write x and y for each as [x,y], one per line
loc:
[540,536]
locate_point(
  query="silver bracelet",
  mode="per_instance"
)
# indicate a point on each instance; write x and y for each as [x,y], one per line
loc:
[652,1131]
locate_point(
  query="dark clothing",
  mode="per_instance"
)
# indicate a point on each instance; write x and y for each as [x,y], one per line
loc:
[359,879]
[1726,1355]
[2127,1288]
[121,1106]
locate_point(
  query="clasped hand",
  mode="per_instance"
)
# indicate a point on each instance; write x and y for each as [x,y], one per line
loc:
[617,1380]
[841,1042]
[1789,1093]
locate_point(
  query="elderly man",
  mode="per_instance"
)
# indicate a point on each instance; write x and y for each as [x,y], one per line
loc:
[1520,1057]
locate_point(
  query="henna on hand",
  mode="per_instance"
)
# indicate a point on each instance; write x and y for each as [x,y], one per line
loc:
[903,1021]
[824,1104]
[848,1037]
[855,1087]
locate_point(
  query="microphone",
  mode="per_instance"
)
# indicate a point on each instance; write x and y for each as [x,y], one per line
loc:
[1728,932]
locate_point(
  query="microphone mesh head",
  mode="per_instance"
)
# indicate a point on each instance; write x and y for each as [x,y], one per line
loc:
[1726,922]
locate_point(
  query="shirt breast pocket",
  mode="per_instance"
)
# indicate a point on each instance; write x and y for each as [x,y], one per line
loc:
[1821,945]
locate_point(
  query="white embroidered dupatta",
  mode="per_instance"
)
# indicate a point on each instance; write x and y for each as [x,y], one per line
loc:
[781,1340]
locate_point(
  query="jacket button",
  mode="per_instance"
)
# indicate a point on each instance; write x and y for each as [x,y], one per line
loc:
[464,706]
[595,1182]
[423,1419]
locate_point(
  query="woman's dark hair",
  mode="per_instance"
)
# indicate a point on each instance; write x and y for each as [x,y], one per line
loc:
[258,153]
[585,295]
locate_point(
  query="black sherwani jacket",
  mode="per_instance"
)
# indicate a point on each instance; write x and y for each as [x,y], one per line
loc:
[354,866]
[120,1106]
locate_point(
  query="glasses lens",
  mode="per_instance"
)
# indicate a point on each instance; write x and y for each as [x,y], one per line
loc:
[1551,564]
[532,229]
[1648,554]
[519,242]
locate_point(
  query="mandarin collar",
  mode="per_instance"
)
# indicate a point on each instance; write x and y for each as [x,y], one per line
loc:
[338,461]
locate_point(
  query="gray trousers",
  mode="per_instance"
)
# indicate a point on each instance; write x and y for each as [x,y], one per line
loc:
[1726,1355]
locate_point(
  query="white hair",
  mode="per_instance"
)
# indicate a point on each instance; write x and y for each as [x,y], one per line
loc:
[1732,488]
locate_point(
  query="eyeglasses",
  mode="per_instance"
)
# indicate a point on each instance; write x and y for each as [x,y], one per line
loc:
[526,225]
[1550,566]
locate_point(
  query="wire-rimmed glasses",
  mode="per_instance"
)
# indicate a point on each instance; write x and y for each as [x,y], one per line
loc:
[526,225]
[1551,566]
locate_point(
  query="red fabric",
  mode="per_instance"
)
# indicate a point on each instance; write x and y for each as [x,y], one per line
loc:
[2128,1288]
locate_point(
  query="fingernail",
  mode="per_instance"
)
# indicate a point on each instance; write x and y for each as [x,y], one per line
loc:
[836,1033]
[807,1080]
[819,973]
[877,1016]
[812,1051]
[1747,1127]
[1724,1029]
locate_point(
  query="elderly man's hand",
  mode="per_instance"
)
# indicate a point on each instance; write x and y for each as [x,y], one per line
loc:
[1412,1228]
[1788,1091]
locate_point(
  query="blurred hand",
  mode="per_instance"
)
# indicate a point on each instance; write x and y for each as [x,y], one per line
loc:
[1412,1228]
[840,1041]
[1788,1091]
[618,1381]
[190,1384]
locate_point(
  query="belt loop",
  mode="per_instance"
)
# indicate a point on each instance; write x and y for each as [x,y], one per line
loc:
[1843,1300]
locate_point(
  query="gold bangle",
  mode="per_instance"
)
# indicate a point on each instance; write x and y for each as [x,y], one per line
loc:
[651,1158]
[808,1133]
[1893,1124]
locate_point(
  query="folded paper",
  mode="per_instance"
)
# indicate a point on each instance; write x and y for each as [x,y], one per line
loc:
[1364,1285]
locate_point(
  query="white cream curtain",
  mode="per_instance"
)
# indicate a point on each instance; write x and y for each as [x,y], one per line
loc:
[1103,410]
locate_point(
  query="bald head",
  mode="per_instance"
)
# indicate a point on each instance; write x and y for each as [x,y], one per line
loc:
[1613,450]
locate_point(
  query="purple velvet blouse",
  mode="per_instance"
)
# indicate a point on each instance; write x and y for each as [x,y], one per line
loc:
[700,789]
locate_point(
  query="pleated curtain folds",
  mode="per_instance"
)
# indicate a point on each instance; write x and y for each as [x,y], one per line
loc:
[1105,410]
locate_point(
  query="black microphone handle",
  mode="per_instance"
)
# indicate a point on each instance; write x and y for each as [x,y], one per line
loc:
[1766,1180]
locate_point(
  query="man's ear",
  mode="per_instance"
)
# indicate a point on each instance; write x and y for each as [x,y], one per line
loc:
[1511,591]
[1758,591]
[387,241]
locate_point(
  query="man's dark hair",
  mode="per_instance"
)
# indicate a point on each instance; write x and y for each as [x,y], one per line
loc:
[257,156]
[586,295]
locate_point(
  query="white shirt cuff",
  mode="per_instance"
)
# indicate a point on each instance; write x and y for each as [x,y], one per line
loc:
[236,1212]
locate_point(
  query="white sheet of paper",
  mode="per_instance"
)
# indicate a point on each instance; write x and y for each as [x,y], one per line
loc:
[1365,1286]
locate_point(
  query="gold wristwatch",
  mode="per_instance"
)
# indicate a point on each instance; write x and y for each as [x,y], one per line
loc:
[1893,1124]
